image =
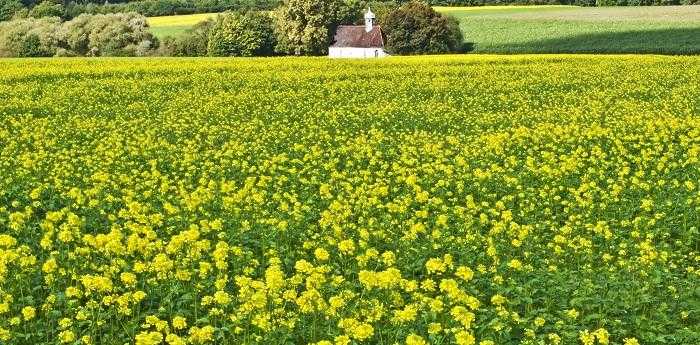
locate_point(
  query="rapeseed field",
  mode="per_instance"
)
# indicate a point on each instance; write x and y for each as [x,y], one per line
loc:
[476,200]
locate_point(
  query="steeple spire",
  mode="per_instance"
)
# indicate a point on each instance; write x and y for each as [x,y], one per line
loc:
[369,20]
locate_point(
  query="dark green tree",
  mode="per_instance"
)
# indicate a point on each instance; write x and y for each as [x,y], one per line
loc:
[47,8]
[416,28]
[307,27]
[235,34]
[194,42]
[8,8]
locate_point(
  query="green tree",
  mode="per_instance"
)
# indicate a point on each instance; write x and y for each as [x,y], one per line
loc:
[193,42]
[47,8]
[235,34]
[416,28]
[306,27]
[29,37]
[8,8]
[108,35]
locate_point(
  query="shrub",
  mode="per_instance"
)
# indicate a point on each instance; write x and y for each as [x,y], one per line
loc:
[249,34]
[8,8]
[124,34]
[29,37]
[47,8]
[416,28]
[108,35]
[194,42]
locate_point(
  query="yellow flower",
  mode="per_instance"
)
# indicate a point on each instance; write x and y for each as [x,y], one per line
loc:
[4,334]
[383,279]
[414,339]
[65,323]
[539,321]
[128,278]
[463,316]
[435,265]
[149,338]
[631,341]
[222,297]
[179,322]
[346,247]
[465,273]
[554,338]
[515,264]
[434,328]
[201,335]
[407,314]
[357,330]
[603,336]
[173,339]
[49,266]
[28,313]
[586,337]
[464,338]
[388,258]
[362,331]
[342,340]
[498,299]
[321,254]
[67,336]
[96,283]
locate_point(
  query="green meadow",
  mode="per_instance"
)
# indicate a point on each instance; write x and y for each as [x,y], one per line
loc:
[568,29]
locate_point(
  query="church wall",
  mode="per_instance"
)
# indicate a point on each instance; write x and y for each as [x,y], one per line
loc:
[356,53]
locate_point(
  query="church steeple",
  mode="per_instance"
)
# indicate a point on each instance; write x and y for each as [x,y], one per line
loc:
[369,20]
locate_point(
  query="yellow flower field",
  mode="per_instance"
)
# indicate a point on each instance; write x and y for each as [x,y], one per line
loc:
[474,200]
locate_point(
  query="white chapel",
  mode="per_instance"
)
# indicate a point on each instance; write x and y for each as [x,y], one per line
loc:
[355,41]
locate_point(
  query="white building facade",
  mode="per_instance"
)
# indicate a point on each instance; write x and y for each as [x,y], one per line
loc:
[356,53]
[359,42]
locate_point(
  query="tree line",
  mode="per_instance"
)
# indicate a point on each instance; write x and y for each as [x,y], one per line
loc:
[297,27]
[68,9]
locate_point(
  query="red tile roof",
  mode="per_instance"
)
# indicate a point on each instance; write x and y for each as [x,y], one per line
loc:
[355,36]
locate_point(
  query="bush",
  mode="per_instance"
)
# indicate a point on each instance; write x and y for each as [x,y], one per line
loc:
[193,42]
[122,34]
[249,34]
[29,37]
[47,8]
[416,28]
[8,8]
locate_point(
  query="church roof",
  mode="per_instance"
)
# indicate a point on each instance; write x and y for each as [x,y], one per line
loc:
[356,36]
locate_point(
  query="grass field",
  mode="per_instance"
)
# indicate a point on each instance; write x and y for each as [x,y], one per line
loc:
[471,199]
[553,29]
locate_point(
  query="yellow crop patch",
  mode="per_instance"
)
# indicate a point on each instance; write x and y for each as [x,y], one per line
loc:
[457,199]
[181,20]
